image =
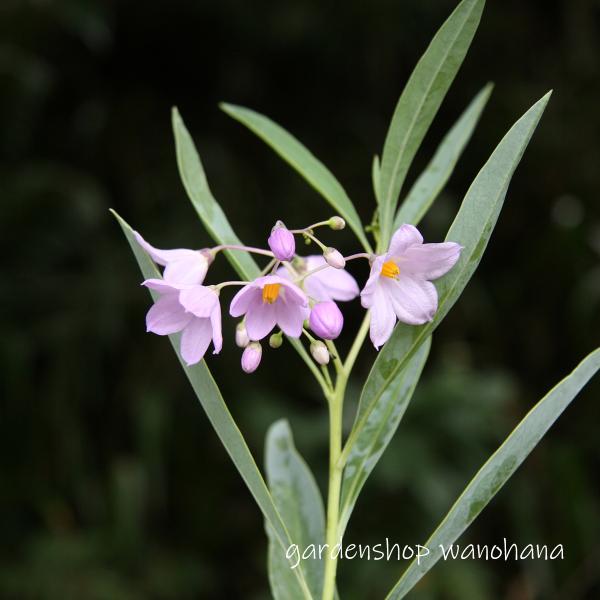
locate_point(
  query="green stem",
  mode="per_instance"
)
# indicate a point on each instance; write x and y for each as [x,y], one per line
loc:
[335,355]
[336,404]
[325,372]
[310,363]
[357,345]
[315,240]
[336,462]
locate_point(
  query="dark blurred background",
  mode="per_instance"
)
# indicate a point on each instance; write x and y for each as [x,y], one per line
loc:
[113,484]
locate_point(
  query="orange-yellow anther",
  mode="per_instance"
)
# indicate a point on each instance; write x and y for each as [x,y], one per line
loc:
[270,292]
[390,269]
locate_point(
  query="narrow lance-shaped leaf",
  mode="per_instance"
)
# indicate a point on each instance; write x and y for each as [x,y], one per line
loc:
[208,209]
[433,179]
[375,174]
[420,102]
[378,431]
[298,500]
[471,228]
[303,161]
[497,470]
[218,414]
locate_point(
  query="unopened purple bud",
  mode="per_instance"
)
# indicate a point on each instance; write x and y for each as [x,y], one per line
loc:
[334,258]
[251,357]
[282,243]
[319,352]
[326,320]
[241,335]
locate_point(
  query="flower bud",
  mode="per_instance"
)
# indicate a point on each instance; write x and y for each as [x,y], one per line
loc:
[326,320]
[282,243]
[337,223]
[334,258]
[319,352]
[276,340]
[241,335]
[251,357]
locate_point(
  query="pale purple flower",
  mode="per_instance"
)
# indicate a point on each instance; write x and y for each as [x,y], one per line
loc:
[192,309]
[269,301]
[282,243]
[326,320]
[326,284]
[251,357]
[181,265]
[399,285]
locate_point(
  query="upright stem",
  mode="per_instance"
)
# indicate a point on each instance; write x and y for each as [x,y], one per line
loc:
[336,459]
[336,404]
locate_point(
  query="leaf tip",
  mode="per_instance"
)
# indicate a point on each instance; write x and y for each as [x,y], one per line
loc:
[543,101]
[115,214]
[120,220]
[489,87]
[233,110]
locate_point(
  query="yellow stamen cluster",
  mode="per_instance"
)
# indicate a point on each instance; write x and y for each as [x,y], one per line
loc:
[270,292]
[390,269]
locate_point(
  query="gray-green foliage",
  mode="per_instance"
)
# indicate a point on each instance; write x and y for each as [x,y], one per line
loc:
[292,505]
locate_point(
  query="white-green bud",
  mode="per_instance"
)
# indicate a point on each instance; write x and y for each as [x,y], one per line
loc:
[337,223]
[276,340]
[319,352]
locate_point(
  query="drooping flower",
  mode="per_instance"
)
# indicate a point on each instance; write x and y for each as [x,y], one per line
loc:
[192,309]
[269,301]
[251,357]
[282,242]
[399,285]
[327,284]
[181,265]
[326,320]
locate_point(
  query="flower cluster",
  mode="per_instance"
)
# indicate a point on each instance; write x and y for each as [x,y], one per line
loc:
[295,293]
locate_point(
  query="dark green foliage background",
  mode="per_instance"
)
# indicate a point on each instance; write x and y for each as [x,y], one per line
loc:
[113,485]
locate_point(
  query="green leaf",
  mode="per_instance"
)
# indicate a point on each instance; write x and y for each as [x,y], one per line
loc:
[498,469]
[471,228]
[218,414]
[375,173]
[298,500]
[303,161]
[209,211]
[380,427]
[420,102]
[433,179]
